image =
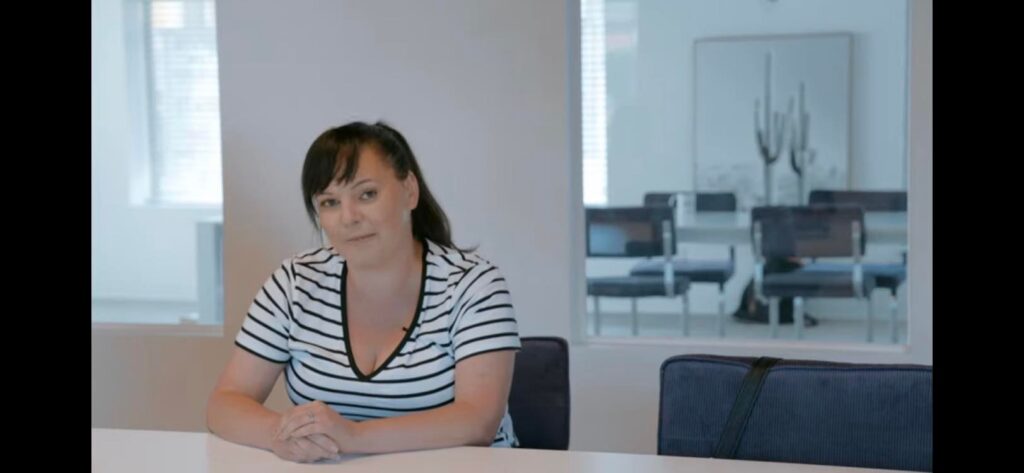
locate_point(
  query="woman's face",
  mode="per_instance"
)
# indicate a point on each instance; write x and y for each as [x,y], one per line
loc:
[368,218]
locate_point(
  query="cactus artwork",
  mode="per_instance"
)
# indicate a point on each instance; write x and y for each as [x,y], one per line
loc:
[771,134]
[800,155]
[799,89]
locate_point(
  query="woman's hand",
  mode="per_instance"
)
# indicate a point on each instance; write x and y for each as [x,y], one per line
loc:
[304,449]
[315,420]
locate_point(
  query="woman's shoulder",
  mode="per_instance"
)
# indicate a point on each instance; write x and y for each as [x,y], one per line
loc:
[319,255]
[315,261]
[456,260]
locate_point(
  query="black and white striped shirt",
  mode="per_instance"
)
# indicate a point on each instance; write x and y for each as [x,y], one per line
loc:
[297,318]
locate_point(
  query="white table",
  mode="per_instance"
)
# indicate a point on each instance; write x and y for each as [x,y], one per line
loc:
[734,227]
[134,451]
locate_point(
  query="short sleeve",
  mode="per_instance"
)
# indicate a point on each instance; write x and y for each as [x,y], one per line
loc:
[265,329]
[485,320]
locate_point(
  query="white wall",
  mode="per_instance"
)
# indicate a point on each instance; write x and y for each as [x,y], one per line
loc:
[667,30]
[138,252]
[481,88]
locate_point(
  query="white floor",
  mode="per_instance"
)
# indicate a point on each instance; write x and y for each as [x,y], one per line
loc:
[619,324]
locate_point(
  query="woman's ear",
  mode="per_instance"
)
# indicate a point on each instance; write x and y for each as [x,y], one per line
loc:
[412,189]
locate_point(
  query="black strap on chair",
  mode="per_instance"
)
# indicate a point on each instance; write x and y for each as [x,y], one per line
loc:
[742,407]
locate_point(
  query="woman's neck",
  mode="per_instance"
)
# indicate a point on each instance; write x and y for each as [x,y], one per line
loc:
[399,273]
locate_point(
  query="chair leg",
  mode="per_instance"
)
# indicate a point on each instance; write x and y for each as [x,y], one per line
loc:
[597,315]
[871,319]
[893,315]
[798,317]
[773,316]
[686,314]
[636,330]
[721,310]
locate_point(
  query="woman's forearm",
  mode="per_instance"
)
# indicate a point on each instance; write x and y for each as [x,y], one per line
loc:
[448,426]
[240,419]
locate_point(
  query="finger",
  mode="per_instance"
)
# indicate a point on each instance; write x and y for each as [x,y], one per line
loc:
[311,451]
[286,416]
[307,430]
[293,421]
[324,442]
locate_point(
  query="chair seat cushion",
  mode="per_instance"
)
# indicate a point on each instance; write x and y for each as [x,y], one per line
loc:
[633,286]
[886,275]
[813,284]
[696,271]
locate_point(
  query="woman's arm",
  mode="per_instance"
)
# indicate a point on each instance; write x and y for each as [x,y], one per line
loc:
[482,384]
[235,410]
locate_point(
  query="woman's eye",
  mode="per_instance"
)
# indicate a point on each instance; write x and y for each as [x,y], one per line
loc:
[368,195]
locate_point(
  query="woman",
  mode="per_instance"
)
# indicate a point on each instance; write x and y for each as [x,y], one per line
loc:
[390,339]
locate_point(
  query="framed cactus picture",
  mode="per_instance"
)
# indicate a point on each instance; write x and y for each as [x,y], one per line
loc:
[772,116]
